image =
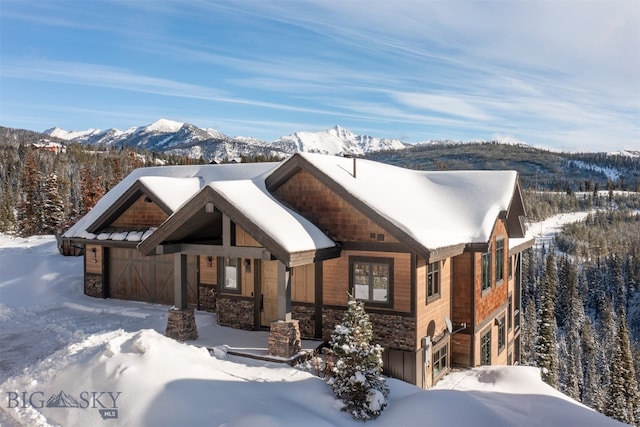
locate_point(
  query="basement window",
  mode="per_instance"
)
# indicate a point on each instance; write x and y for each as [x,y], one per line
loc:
[485,348]
[440,362]
[372,279]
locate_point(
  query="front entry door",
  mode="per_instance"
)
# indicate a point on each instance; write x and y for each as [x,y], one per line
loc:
[269,292]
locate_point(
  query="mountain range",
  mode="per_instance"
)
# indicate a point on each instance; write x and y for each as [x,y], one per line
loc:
[185,139]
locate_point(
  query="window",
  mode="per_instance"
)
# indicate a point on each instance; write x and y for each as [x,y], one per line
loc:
[440,361]
[502,336]
[231,282]
[510,313]
[485,349]
[510,267]
[499,260]
[433,281]
[372,279]
[486,271]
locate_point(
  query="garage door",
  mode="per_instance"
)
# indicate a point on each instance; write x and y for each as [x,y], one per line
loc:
[132,276]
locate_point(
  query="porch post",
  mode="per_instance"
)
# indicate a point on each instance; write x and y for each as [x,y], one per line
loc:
[180,297]
[284,336]
[181,321]
[284,292]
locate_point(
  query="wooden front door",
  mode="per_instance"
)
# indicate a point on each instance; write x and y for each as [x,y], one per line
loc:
[269,292]
[134,277]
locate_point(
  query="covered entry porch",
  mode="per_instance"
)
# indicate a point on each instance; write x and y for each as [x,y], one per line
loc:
[251,257]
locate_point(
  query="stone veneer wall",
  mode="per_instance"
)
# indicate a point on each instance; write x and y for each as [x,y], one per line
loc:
[207,298]
[235,312]
[94,285]
[306,315]
[389,330]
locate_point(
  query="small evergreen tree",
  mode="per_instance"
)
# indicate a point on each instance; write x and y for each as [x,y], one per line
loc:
[357,372]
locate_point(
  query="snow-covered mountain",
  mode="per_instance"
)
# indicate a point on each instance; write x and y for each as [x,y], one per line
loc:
[188,140]
[336,140]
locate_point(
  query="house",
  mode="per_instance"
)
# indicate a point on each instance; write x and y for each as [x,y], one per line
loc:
[436,256]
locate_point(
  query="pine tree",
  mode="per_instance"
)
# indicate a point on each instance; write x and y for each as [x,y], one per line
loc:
[92,189]
[30,216]
[53,206]
[592,394]
[357,372]
[546,355]
[623,398]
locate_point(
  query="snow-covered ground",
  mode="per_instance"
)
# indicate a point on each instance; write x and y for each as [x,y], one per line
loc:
[70,360]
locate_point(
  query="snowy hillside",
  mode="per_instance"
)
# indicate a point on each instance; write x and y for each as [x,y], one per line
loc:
[67,359]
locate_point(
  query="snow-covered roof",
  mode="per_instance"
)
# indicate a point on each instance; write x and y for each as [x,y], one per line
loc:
[430,210]
[290,230]
[171,185]
[435,208]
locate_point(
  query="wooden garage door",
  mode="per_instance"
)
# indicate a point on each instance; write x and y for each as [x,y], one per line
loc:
[150,279]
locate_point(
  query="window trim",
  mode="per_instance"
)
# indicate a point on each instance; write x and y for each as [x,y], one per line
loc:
[443,370]
[225,288]
[372,260]
[486,278]
[434,296]
[487,345]
[499,261]
[502,334]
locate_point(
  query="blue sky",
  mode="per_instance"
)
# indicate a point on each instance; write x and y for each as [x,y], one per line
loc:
[556,74]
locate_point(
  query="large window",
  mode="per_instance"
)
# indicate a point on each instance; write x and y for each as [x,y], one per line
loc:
[440,361]
[433,281]
[372,279]
[486,271]
[499,260]
[502,336]
[231,282]
[485,349]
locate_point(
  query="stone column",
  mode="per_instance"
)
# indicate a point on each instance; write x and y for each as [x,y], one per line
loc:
[181,320]
[284,338]
[181,324]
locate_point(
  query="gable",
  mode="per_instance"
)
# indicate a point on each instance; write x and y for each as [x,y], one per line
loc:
[329,211]
[143,213]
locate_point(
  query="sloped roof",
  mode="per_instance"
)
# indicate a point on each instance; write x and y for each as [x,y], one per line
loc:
[436,209]
[428,210]
[169,186]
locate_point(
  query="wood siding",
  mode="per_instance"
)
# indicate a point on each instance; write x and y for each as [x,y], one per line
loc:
[489,301]
[244,239]
[303,283]
[322,206]
[208,270]
[140,215]
[431,315]
[93,259]
[336,279]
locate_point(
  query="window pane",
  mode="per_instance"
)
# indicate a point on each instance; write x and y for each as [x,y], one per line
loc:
[380,282]
[231,274]
[361,280]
